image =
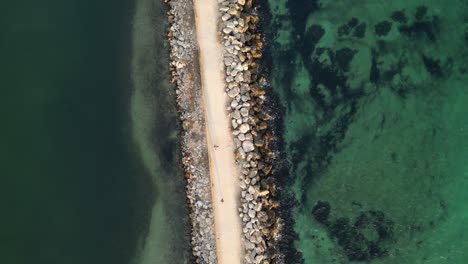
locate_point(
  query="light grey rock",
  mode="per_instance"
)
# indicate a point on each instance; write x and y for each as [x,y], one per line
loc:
[242,154]
[234,124]
[249,258]
[233,73]
[244,112]
[235,114]
[233,92]
[226,16]
[237,142]
[258,207]
[230,24]
[227,30]
[248,146]
[243,186]
[228,61]
[244,128]
[246,218]
[234,103]
[249,246]
[241,136]
[252,213]
[239,77]
[259,258]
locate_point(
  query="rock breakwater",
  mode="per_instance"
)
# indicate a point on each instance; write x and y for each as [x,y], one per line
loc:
[186,75]
[250,125]
[250,122]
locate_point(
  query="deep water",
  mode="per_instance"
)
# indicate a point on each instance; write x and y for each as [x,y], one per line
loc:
[75,184]
[375,127]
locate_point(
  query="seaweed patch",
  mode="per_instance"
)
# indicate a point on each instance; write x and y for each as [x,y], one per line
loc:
[362,238]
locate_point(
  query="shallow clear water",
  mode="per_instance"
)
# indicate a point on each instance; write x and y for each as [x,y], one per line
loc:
[75,186]
[376,99]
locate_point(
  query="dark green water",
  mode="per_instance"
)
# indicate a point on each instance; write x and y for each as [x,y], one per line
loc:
[375,127]
[74,187]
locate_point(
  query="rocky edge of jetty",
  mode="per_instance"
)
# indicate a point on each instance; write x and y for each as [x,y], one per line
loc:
[246,90]
[185,72]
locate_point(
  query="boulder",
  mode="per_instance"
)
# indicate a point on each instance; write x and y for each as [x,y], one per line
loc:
[227,30]
[244,112]
[241,136]
[235,114]
[230,25]
[226,17]
[233,92]
[242,185]
[252,213]
[248,146]
[244,128]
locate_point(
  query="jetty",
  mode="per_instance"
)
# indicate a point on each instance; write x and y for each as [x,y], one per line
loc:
[228,165]
[224,174]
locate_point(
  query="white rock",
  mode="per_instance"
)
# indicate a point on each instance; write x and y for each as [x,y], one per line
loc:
[243,186]
[227,30]
[248,146]
[239,77]
[236,114]
[252,213]
[226,17]
[233,73]
[233,92]
[228,61]
[244,128]
[230,25]
[244,112]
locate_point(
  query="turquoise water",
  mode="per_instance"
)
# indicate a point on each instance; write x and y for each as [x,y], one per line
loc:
[75,188]
[375,127]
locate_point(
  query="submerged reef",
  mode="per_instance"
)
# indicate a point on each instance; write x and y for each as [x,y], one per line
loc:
[373,101]
[363,239]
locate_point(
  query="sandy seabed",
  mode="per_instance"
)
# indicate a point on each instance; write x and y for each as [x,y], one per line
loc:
[152,107]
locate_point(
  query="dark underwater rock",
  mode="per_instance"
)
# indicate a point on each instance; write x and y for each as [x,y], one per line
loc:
[321,212]
[363,239]
[360,31]
[382,28]
[399,16]
[432,66]
[420,12]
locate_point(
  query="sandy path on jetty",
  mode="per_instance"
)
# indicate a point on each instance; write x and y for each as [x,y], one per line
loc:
[223,172]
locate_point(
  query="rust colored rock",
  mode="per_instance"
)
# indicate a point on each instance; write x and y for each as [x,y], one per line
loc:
[267,169]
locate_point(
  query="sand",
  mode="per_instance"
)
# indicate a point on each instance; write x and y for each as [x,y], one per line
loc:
[224,173]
